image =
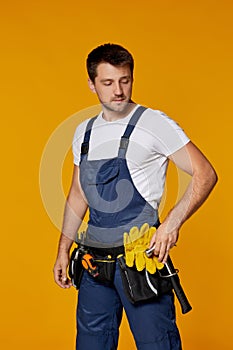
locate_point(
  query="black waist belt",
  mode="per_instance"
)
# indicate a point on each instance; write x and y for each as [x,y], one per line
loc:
[103,252]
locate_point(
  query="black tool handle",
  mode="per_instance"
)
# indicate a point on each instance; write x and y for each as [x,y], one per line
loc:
[180,294]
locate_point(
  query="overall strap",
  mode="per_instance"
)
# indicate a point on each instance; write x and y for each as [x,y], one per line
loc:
[87,135]
[128,131]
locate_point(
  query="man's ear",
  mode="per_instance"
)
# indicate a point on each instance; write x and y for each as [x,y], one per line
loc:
[91,85]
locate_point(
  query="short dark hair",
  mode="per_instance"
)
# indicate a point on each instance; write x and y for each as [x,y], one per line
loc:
[109,53]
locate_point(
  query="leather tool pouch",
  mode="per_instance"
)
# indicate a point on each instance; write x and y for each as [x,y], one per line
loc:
[75,269]
[141,285]
[106,269]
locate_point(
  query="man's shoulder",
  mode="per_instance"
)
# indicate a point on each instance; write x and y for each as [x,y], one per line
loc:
[158,122]
[155,117]
[81,127]
[155,113]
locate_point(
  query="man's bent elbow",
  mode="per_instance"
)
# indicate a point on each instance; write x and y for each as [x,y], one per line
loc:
[211,177]
[214,177]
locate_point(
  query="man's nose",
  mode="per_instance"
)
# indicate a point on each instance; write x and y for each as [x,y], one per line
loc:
[118,89]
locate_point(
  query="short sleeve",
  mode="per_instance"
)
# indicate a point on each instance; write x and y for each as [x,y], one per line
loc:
[170,137]
[77,141]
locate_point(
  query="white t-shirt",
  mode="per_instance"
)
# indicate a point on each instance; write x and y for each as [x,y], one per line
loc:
[154,138]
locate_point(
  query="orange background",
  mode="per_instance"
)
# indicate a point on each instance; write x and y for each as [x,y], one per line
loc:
[183,52]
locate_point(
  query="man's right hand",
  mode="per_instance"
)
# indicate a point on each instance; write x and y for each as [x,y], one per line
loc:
[60,270]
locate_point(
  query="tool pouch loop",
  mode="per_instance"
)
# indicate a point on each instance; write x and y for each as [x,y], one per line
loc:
[76,269]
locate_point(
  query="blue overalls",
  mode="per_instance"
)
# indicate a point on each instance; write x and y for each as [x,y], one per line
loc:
[115,206]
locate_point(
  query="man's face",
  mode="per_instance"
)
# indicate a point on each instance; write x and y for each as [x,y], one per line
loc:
[113,86]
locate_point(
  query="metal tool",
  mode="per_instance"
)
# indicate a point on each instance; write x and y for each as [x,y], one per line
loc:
[172,273]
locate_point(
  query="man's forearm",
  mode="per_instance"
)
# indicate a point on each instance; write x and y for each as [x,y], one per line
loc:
[71,223]
[193,162]
[74,213]
[196,193]
[65,244]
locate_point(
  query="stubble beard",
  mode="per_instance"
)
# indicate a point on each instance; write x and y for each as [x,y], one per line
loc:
[121,108]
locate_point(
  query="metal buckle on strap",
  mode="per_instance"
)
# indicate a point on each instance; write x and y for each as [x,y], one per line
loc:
[170,274]
[84,147]
[124,142]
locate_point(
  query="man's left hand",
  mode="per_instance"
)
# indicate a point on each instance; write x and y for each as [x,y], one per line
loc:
[163,241]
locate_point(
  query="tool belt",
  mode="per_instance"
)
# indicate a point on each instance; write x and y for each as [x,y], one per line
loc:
[100,263]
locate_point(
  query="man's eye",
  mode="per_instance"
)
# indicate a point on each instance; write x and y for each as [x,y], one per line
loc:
[125,81]
[107,83]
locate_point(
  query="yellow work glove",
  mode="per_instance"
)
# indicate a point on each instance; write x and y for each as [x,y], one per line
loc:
[135,243]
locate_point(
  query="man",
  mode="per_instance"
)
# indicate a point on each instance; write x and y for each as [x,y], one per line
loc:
[120,162]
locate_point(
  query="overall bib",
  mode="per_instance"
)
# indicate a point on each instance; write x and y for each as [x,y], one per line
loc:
[115,206]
